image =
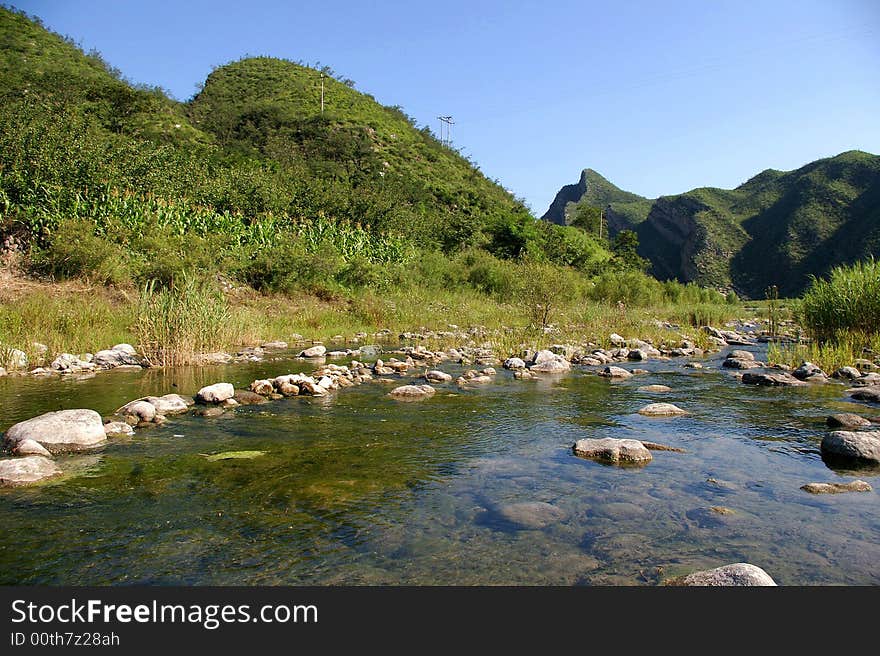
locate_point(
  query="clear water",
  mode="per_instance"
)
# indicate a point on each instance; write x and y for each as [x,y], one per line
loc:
[360,489]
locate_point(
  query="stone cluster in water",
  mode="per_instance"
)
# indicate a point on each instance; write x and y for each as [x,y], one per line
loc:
[34,442]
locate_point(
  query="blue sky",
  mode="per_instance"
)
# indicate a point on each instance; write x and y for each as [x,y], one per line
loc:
[658,97]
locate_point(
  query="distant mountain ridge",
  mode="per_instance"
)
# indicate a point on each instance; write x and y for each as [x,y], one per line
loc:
[778,228]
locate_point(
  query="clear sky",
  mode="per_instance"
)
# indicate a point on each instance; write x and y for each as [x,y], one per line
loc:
[659,97]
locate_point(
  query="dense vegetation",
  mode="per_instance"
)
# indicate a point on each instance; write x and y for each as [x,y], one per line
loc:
[251,182]
[778,228]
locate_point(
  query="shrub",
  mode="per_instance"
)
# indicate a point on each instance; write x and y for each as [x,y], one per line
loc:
[75,251]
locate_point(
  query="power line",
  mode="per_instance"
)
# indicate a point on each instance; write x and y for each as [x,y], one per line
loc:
[447,120]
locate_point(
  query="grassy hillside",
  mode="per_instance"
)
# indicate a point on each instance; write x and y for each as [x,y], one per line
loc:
[121,183]
[778,228]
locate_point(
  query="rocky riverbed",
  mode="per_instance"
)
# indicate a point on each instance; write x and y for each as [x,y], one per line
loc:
[50,446]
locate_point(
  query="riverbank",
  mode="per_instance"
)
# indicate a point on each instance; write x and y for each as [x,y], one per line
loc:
[43,320]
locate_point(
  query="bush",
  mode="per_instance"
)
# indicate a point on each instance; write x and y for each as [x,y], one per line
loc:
[849,300]
[543,289]
[75,251]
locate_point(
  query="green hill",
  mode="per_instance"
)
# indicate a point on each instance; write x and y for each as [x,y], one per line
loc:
[778,228]
[247,175]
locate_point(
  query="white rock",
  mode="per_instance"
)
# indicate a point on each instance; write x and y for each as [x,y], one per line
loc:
[216,393]
[27,470]
[314,352]
[737,574]
[412,392]
[63,430]
[662,410]
[30,448]
[613,450]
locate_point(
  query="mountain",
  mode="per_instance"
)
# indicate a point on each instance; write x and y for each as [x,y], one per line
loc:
[778,228]
[623,209]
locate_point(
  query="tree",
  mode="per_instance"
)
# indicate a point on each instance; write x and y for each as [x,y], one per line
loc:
[625,248]
[588,218]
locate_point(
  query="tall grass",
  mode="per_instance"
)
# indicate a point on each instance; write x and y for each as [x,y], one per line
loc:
[849,301]
[177,324]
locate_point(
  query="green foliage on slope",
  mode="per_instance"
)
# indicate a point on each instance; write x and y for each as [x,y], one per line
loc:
[247,178]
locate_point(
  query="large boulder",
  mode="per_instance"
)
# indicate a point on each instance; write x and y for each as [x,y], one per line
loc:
[613,450]
[27,470]
[138,412]
[737,574]
[59,431]
[863,445]
[412,392]
[216,393]
[514,363]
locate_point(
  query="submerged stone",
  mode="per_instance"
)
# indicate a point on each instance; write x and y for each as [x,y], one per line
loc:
[531,515]
[836,488]
[27,470]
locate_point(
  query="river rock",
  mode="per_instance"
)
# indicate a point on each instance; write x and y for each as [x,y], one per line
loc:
[555,366]
[412,392]
[616,340]
[216,393]
[737,574]
[662,410]
[274,345]
[772,380]
[27,470]
[264,387]
[16,359]
[871,394]
[137,412]
[613,450]
[435,376]
[740,360]
[864,445]
[850,373]
[246,397]
[514,363]
[739,354]
[836,488]
[121,354]
[117,429]
[62,430]
[317,351]
[531,515]
[30,448]
[637,355]
[169,404]
[2,372]
[808,371]
[654,388]
[615,372]
[847,420]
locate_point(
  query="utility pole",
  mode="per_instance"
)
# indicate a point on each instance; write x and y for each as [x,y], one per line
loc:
[449,123]
[322,93]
